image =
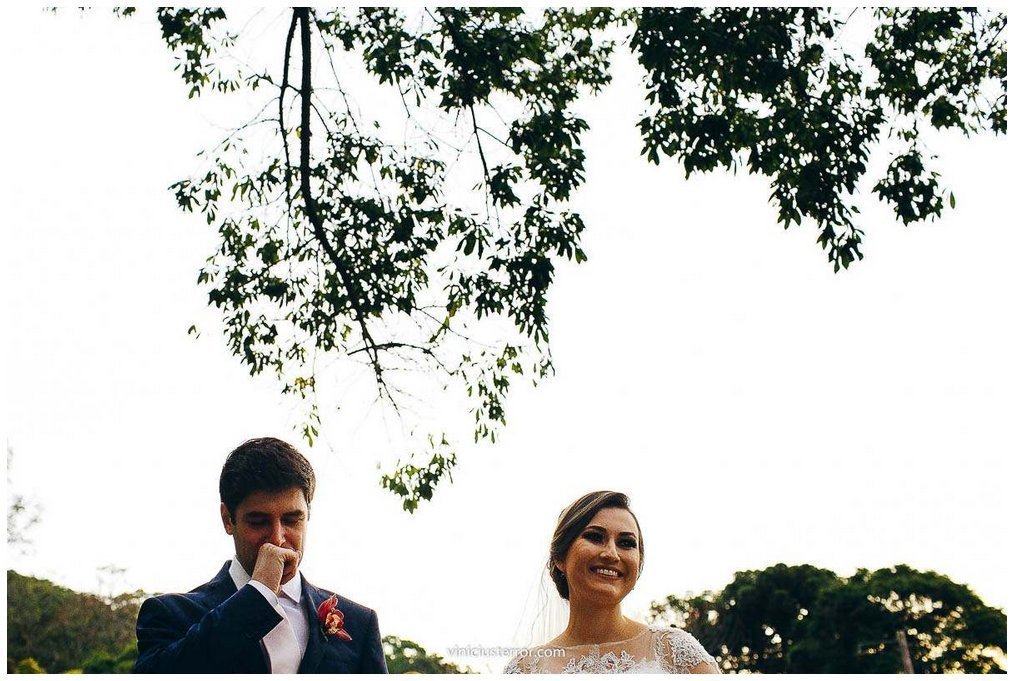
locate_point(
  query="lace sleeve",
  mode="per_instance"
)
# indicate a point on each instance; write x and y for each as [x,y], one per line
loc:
[679,652]
[515,665]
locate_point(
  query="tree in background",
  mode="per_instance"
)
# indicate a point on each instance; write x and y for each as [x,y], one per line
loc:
[755,619]
[61,629]
[29,665]
[877,619]
[802,619]
[104,662]
[404,656]
[353,235]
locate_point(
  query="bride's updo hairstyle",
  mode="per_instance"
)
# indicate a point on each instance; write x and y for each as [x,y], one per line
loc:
[572,522]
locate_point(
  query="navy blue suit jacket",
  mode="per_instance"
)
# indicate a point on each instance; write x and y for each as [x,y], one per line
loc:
[217,629]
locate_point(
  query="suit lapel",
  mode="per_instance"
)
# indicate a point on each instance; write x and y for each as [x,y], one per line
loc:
[315,642]
[221,586]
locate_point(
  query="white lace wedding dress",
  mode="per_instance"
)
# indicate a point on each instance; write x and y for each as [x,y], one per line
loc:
[654,651]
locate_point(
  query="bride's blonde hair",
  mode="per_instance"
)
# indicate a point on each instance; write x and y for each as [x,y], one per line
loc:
[573,520]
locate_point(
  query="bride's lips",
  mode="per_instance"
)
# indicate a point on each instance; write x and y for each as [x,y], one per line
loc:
[606,572]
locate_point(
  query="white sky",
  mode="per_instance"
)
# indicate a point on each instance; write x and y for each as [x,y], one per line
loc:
[756,407]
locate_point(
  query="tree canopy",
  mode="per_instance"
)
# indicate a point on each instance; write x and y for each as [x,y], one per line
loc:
[59,629]
[407,657]
[422,236]
[803,619]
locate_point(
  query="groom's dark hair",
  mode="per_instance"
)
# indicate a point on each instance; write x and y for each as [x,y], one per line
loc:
[264,464]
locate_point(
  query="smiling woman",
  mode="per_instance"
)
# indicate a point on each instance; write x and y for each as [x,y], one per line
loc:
[595,559]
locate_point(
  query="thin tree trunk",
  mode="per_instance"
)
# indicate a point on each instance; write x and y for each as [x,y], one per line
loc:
[906,656]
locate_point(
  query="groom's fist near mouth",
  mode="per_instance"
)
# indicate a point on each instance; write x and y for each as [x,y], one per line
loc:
[275,566]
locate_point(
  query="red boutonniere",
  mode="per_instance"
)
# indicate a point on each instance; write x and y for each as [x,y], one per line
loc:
[332,619]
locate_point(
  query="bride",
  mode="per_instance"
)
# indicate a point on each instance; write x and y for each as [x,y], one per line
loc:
[595,558]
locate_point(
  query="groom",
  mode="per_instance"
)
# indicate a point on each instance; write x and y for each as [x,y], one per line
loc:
[259,614]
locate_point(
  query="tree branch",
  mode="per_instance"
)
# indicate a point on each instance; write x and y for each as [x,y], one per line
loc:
[395,345]
[281,107]
[478,143]
[306,92]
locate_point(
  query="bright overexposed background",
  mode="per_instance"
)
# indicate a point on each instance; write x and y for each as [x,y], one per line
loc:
[756,407]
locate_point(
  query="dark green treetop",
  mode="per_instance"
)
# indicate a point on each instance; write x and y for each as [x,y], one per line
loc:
[405,657]
[803,619]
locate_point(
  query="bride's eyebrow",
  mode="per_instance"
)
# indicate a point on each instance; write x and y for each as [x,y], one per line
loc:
[602,529]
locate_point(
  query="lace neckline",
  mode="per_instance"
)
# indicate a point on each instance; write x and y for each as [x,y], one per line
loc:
[604,643]
[655,649]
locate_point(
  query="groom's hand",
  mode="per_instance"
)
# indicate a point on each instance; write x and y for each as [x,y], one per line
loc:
[275,566]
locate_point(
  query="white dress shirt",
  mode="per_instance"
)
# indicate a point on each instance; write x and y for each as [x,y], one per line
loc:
[286,643]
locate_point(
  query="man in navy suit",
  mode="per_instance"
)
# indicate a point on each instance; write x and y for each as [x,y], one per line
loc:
[259,614]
